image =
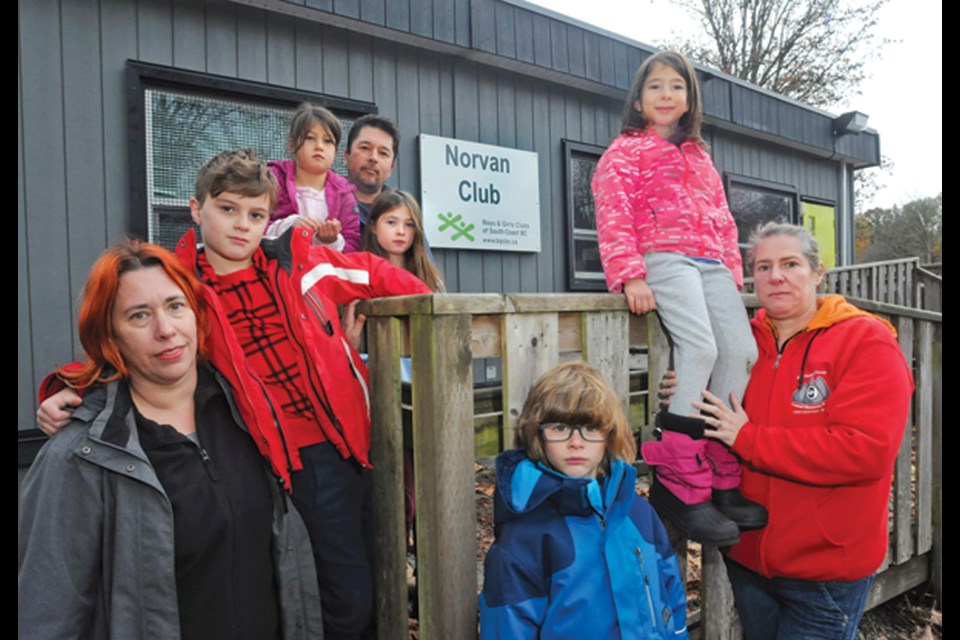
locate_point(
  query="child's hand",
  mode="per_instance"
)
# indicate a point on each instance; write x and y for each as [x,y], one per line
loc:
[327,232]
[639,296]
[306,223]
[55,412]
[667,387]
[353,324]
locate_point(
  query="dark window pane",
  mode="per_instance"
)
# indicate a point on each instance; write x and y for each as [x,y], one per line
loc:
[582,167]
[753,206]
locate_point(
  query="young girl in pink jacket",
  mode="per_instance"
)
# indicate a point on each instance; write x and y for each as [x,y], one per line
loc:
[311,194]
[669,243]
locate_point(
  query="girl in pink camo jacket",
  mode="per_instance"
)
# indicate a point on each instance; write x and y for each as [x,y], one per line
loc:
[669,243]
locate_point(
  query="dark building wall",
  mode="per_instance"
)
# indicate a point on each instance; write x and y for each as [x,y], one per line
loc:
[73,174]
[740,155]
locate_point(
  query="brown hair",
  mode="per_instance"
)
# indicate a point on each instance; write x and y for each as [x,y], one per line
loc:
[689,124]
[575,393]
[416,260]
[104,362]
[305,118]
[240,172]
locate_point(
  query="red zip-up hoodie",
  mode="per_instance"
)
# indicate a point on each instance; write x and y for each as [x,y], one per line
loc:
[827,415]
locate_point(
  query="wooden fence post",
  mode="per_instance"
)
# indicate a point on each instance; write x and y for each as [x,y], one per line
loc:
[718,616]
[903,479]
[443,462]
[385,341]
[936,517]
[924,396]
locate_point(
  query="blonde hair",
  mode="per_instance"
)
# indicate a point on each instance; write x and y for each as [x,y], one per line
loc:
[575,393]
[415,260]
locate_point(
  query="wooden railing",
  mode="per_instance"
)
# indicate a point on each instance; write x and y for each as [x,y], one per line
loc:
[901,282]
[530,333]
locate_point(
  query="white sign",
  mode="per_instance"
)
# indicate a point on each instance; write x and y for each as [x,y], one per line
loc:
[478,196]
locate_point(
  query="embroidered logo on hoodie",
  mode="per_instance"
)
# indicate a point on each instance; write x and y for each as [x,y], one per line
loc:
[812,394]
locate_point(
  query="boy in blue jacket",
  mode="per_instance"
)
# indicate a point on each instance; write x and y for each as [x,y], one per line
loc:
[578,553]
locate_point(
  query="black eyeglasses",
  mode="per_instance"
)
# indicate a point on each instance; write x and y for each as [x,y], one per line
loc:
[560,432]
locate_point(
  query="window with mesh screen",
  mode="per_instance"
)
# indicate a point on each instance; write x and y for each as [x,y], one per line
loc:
[184,129]
[754,203]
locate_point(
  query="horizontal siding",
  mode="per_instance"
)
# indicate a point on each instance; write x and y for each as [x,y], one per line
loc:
[73,184]
[736,154]
[776,116]
[442,20]
[526,35]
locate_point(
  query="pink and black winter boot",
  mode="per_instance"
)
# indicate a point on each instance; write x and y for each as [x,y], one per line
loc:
[726,488]
[683,485]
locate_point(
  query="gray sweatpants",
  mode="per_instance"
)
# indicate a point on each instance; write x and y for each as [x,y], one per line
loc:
[713,347]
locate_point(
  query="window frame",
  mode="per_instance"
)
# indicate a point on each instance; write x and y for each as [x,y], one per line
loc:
[730,180]
[142,76]
[575,279]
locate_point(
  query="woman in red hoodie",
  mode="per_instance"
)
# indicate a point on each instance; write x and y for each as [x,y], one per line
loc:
[818,431]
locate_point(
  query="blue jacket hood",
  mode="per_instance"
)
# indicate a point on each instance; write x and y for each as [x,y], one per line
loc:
[524,485]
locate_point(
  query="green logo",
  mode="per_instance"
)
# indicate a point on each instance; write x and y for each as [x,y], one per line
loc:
[459,227]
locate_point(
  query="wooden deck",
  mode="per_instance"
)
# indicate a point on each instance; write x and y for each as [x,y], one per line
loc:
[444,333]
[900,282]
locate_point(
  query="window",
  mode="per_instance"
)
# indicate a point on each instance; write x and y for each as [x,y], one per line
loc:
[185,119]
[754,202]
[584,270]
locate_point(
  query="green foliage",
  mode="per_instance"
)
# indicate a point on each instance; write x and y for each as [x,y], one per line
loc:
[814,51]
[916,229]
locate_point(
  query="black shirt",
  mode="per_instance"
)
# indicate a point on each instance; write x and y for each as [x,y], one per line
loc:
[223,516]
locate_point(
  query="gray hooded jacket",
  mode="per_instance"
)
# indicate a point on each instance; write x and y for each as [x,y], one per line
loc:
[96,540]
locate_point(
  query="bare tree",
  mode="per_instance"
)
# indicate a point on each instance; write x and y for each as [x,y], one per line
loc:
[915,229]
[811,50]
[869,182]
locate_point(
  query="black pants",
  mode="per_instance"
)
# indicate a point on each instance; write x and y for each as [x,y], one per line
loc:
[333,497]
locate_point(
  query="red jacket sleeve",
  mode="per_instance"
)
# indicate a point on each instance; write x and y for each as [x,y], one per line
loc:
[866,414]
[52,384]
[346,277]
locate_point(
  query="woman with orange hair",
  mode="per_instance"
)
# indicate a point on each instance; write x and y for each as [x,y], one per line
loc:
[153,514]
